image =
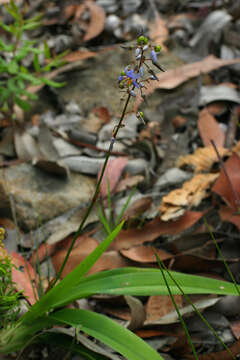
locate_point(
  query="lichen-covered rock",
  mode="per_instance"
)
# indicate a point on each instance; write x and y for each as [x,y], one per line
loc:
[38,196]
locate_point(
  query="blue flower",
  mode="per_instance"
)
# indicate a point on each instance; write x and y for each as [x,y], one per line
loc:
[129,77]
[153,56]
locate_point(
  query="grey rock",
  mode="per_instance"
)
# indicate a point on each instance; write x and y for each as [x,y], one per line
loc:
[83,164]
[112,22]
[171,177]
[59,227]
[96,81]
[64,121]
[136,166]
[38,196]
[110,6]
[6,143]
[73,108]
[130,6]
[118,146]
[62,43]
[64,148]
[212,93]
[210,29]
[129,131]
[135,24]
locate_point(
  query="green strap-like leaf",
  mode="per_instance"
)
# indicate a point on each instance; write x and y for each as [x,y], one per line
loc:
[109,332]
[69,343]
[144,282]
[49,300]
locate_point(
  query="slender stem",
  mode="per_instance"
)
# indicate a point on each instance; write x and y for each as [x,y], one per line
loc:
[94,198]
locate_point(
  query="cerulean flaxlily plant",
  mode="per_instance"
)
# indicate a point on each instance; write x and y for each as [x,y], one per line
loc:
[133,77]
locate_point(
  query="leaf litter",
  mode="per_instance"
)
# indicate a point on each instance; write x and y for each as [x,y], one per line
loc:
[163,217]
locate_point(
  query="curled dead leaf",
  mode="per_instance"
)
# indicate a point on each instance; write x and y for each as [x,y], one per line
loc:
[97,21]
[79,55]
[229,187]
[145,254]
[227,214]
[160,305]
[210,129]
[191,194]
[149,232]
[158,31]
[24,277]
[175,77]
[202,160]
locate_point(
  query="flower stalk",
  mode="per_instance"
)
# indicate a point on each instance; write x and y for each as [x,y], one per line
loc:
[129,80]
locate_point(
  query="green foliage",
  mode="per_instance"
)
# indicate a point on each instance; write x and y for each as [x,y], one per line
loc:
[49,310]
[9,298]
[133,281]
[110,222]
[14,76]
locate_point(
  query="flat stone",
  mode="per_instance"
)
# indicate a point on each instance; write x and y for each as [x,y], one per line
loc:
[38,197]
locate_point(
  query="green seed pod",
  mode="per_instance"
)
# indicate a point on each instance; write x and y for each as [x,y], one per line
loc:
[121,85]
[157,48]
[142,40]
[123,73]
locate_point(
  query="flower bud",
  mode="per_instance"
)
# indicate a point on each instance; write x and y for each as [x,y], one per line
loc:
[157,48]
[140,116]
[142,40]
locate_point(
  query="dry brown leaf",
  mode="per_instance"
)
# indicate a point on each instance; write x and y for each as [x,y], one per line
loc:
[179,121]
[129,182]
[112,174]
[227,214]
[69,11]
[155,228]
[145,254]
[85,246]
[210,129]
[175,77]
[202,160]
[138,207]
[230,192]
[236,148]
[80,8]
[109,260]
[216,108]
[160,305]
[74,11]
[235,327]
[97,21]
[191,194]
[24,276]
[158,31]
[138,313]
[151,131]
[103,113]
[79,55]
